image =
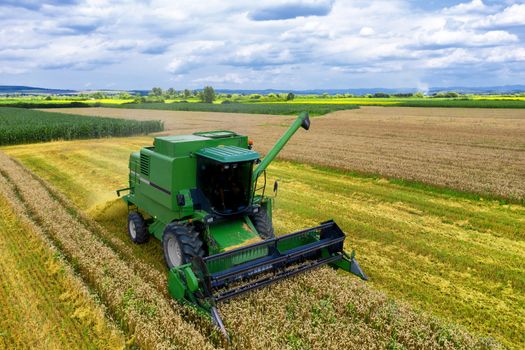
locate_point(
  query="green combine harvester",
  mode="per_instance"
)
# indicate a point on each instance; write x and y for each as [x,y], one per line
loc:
[200,196]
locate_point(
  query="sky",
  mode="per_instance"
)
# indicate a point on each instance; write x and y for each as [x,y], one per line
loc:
[296,44]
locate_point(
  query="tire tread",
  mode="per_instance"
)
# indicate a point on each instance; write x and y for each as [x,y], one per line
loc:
[142,234]
[188,237]
[263,224]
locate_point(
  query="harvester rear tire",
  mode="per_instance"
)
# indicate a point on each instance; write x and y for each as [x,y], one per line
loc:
[137,229]
[186,242]
[263,224]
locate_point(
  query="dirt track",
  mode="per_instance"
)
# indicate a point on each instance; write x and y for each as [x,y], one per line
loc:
[479,150]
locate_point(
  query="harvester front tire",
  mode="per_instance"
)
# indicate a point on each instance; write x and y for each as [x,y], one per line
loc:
[263,224]
[137,229]
[181,243]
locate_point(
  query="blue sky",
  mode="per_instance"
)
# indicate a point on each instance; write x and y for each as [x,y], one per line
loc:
[296,44]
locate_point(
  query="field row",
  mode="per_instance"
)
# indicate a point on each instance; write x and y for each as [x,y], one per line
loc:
[42,305]
[27,126]
[438,251]
[320,106]
[151,319]
[299,313]
[480,151]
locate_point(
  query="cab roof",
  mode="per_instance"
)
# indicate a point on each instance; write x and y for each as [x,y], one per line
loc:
[228,154]
[186,145]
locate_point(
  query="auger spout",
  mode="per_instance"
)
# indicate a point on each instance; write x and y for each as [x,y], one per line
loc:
[303,120]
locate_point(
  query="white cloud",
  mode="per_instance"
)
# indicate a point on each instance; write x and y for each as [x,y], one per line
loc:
[182,65]
[226,78]
[452,57]
[205,46]
[310,30]
[258,55]
[507,54]
[327,43]
[377,68]
[510,16]
[367,31]
[11,70]
[466,38]
[462,8]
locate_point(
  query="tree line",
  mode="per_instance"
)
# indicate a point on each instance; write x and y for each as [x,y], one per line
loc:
[208,95]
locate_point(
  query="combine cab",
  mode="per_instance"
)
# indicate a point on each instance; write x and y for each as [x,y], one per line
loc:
[199,195]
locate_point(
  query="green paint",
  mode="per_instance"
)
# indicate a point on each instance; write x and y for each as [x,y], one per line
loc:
[228,154]
[167,183]
[176,286]
[233,233]
[301,121]
[191,280]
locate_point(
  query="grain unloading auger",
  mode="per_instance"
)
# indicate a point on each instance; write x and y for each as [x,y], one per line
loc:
[199,195]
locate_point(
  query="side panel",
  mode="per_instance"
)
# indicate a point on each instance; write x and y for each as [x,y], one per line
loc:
[184,179]
[145,192]
[134,167]
[185,173]
[159,187]
[152,208]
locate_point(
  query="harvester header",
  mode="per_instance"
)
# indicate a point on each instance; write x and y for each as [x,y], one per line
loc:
[199,195]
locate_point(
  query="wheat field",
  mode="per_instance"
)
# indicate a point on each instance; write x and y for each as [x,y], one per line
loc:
[434,249]
[467,149]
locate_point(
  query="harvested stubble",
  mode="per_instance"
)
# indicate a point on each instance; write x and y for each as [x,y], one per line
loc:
[42,303]
[146,259]
[317,310]
[150,318]
[475,150]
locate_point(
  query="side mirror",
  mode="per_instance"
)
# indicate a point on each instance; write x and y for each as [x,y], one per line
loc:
[275,187]
[181,201]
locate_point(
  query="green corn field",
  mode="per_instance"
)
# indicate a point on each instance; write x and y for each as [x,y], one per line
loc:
[256,108]
[19,125]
